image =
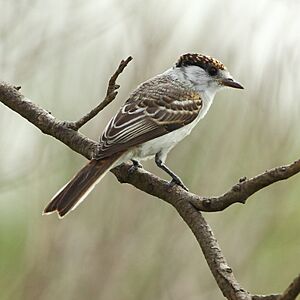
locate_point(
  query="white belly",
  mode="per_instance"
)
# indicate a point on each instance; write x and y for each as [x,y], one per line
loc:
[165,143]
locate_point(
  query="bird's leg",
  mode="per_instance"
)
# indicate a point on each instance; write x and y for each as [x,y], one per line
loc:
[136,163]
[135,166]
[175,178]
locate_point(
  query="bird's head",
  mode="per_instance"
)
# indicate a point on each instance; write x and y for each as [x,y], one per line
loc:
[204,73]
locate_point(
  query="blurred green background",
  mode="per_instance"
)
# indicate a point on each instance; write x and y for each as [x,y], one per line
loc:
[122,243]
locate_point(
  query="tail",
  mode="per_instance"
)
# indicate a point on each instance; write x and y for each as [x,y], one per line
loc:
[75,191]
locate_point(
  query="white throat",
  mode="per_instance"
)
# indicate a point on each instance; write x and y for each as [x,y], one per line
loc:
[206,90]
[194,80]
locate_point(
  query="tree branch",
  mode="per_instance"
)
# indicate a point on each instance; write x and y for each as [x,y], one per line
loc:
[42,119]
[245,188]
[111,94]
[292,291]
[187,204]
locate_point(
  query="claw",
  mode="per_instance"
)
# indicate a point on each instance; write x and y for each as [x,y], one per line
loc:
[177,181]
[135,166]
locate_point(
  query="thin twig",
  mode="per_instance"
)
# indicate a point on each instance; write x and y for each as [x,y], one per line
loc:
[111,94]
[240,192]
[291,293]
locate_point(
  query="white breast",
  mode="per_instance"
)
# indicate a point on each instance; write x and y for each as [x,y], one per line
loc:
[166,142]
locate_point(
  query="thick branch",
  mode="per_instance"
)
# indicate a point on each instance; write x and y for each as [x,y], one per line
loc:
[266,297]
[292,291]
[187,204]
[42,119]
[184,203]
[239,193]
[221,271]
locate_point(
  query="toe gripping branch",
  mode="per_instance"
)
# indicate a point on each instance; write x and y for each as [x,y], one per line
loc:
[175,178]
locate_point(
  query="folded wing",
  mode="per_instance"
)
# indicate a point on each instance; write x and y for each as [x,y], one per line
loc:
[157,107]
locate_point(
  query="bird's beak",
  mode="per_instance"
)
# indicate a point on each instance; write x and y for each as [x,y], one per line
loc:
[230,83]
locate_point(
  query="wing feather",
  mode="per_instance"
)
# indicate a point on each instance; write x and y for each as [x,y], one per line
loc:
[155,108]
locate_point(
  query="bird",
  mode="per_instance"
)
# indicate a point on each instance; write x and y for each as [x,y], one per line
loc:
[157,115]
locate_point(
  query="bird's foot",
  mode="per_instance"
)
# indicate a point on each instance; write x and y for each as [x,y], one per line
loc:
[135,166]
[178,181]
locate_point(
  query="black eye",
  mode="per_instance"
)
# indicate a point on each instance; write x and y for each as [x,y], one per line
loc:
[212,71]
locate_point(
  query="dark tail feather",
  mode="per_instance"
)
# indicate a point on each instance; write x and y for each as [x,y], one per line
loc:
[75,191]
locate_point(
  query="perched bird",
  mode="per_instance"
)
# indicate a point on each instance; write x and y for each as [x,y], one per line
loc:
[157,115]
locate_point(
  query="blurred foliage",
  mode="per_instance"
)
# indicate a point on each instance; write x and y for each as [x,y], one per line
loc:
[122,243]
